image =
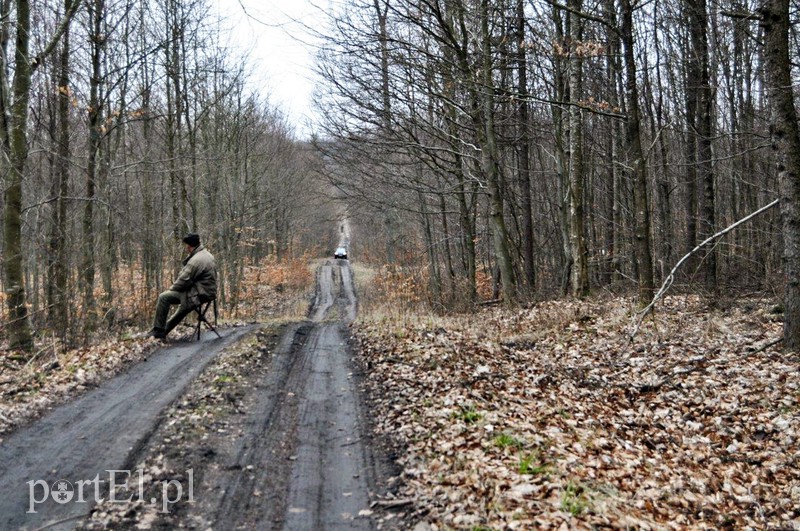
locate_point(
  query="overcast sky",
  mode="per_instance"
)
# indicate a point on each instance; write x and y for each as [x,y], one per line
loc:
[270,28]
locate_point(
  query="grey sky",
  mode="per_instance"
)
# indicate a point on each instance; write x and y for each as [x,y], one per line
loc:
[282,60]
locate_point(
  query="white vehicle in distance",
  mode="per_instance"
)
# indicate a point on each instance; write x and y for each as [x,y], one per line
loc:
[340,252]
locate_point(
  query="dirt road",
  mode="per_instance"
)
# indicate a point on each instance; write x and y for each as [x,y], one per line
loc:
[99,432]
[331,476]
[304,448]
[288,448]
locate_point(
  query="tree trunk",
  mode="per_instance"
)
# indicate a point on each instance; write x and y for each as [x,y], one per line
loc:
[561,139]
[466,210]
[435,280]
[700,84]
[575,191]
[612,224]
[174,118]
[95,120]
[786,145]
[58,245]
[448,255]
[491,165]
[637,163]
[19,329]
[464,193]
[524,152]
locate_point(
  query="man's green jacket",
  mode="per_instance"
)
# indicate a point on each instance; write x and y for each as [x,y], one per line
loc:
[198,278]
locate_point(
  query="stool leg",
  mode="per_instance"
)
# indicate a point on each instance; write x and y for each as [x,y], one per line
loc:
[199,310]
[201,318]
[214,326]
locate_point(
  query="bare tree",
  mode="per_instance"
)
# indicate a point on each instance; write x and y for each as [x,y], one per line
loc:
[786,145]
[579,252]
[15,95]
[58,243]
[700,92]
[636,157]
[524,150]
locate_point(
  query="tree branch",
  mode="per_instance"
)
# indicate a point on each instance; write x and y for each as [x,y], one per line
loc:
[671,277]
[585,15]
[62,27]
[56,198]
[582,106]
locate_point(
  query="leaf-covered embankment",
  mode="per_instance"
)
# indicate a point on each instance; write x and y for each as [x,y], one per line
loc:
[552,417]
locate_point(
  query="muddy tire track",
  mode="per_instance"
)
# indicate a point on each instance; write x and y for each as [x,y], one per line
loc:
[300,456]
[309,437]
[266,431]
[329,487]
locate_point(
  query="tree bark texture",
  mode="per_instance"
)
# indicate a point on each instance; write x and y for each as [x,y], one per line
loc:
[58,247]
[491,166]
[524,152]
[577,211]
[637,161]
[699,82]
[19,329]
[786,145]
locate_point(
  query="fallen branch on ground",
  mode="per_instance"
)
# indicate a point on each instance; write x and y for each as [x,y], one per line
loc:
[391,504]
[766,346]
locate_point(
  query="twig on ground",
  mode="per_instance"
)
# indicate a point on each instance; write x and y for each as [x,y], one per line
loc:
[391,504]
[764,347]
[33,358]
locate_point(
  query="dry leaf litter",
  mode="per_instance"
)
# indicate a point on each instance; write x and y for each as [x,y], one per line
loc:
[552,418]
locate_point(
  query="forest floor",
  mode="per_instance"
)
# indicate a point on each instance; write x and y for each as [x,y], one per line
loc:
[552,417]
[545,417]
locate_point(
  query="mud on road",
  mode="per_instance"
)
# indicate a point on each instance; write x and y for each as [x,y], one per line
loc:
[264,429]
[298,455]
[101,431]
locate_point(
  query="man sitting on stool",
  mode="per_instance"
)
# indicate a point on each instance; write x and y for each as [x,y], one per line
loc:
[196,283]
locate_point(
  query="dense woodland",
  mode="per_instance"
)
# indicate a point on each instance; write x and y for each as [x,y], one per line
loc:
[135,123]
[526,148]
[570,148]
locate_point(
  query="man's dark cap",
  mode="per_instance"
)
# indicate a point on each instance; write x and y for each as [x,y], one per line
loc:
[192,240]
